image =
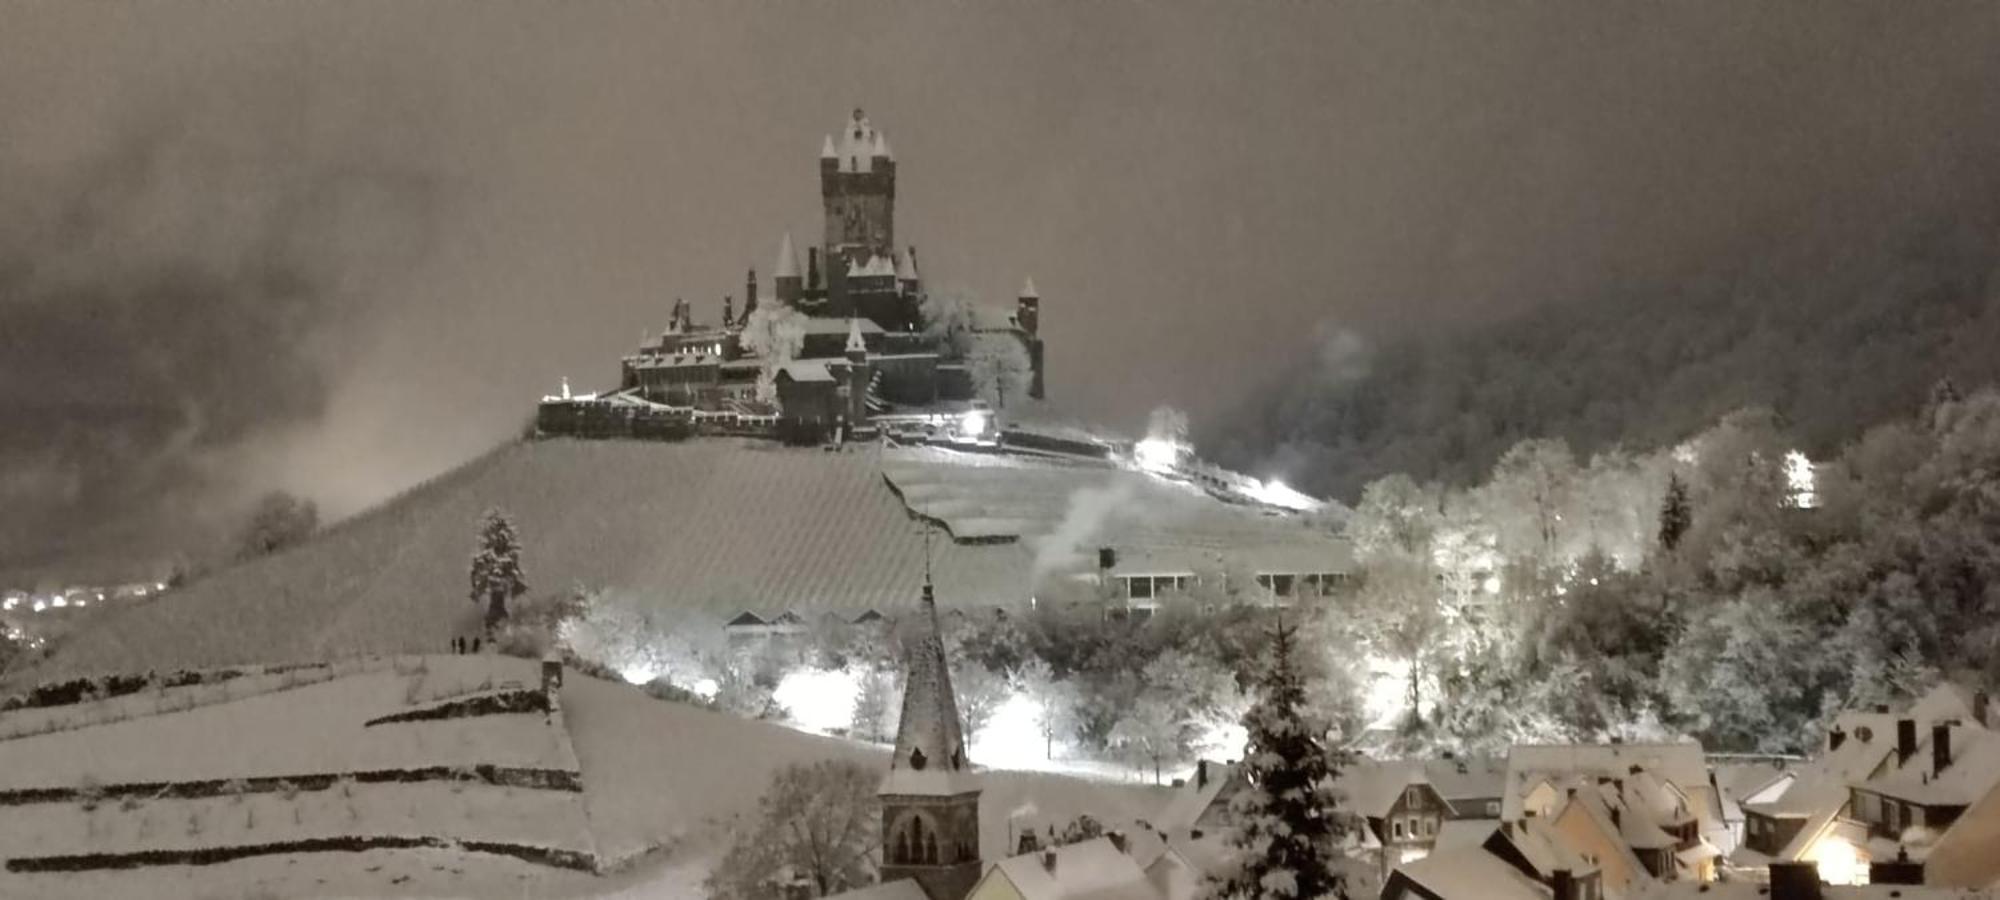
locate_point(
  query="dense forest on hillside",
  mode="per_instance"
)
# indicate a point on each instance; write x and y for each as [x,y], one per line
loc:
[1834,331]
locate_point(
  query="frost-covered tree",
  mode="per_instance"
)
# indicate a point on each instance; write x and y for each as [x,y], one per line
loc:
[1000,369]
[1286,843]
[774,333]
[496,567]
[814,833]
[980,691]
[875,706]
[950,318]
[279,521]
[1054,699]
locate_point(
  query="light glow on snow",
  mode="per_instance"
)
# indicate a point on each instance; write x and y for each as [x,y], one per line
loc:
[820,700]
[639,672]
[974,423]
[706,688]
[1801,479]
[1156,455]
[1012,738]
[1388,689]
[1280,494]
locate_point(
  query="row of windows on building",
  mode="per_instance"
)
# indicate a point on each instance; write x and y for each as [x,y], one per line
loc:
[1147,587]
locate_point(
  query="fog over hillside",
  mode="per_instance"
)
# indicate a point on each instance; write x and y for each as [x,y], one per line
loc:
[1838,325]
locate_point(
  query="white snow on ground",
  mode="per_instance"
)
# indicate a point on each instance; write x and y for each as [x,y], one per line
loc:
[309,730]
[664,784]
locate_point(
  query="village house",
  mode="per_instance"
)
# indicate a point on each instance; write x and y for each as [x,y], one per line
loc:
[1524,860]
[1860,799]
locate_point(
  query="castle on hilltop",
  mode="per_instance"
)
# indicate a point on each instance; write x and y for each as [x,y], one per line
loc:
[846,342]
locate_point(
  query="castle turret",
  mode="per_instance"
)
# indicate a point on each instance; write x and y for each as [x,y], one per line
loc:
[930,798]
[859,373]
[785,280]
[1028,315]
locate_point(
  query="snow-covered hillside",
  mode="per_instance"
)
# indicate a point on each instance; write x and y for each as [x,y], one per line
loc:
[714,525]
[660,786]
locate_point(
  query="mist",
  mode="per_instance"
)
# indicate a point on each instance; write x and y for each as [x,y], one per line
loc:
[337,249]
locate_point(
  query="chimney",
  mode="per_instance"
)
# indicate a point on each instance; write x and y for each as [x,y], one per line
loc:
[750,291]
[1049,860]
[1906,740]
[1897,871]
[552,678]
[812,268]
[1940,748]
[1028,843]
[1562,885]
[1201,773]
[1795,881]
[1835,738]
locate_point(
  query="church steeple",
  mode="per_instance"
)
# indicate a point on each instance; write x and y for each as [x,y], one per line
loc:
[930,798]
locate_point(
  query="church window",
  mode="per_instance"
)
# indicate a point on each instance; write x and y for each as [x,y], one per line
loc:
[917,760]
[930,848]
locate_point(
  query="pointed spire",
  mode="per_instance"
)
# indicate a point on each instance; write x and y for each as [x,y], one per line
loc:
[788,259]
[905,270]
[854,342]
[826,148]
[928,736]
[882,146]
[1028,290]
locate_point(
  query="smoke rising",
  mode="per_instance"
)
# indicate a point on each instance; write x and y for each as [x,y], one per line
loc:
[176,291]
[1090,510]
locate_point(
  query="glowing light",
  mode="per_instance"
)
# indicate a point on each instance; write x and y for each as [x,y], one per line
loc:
[639,672]
[1801,479]
[706,688]
[1156,455]
[1841,862]
[1491,584]
[1226,739]
[1277,493]
[1012,738]
[819,700]
[10,603]
[59,601]
[159,585]
[40,605]
[1388,691]
[974,423]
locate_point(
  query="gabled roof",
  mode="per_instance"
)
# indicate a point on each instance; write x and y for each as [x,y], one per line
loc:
[805,370]
[1372,787]
[1193,799]
[1681,763]
[1470,873]
[1538,845]
[1973,772]
[1091,870]
[1468,777]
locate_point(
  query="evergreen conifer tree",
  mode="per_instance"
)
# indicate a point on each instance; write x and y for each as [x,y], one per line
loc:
[496,567]
[1287,830]
[1676,515]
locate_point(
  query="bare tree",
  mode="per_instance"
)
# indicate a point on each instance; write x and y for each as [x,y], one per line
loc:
[814,835]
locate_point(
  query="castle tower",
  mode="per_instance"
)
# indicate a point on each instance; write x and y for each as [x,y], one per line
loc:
[785,280]
[857,186]
[930,798]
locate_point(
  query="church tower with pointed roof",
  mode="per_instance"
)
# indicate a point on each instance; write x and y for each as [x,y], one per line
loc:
[930,798]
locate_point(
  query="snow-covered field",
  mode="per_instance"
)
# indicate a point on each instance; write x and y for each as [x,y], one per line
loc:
[663,785]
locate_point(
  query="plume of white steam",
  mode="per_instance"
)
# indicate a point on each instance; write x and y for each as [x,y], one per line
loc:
[1090,508]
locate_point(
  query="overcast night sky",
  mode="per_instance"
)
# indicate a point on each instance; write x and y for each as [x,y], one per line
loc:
[339,248]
